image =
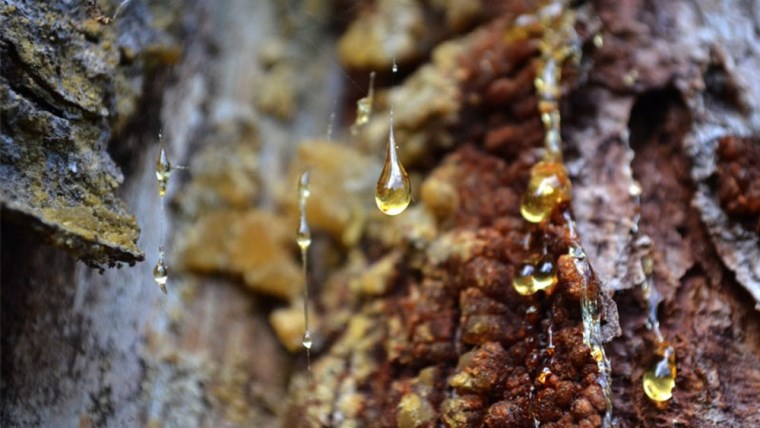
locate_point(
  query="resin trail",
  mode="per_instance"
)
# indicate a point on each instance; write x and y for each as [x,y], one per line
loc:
[163,173]
[549,190]
[303,239]
[660,377]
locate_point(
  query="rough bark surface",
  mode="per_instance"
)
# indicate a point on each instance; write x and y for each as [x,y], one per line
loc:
[416,321]
[66,80]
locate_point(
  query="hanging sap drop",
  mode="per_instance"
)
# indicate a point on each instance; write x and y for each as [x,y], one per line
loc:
[660,379]
[544,375]
[523,280]
[307,340]
[545,275]
[393,192]
[548,187]
[160,272]
[576,252]
[303,238]
[163,171]
[363,110]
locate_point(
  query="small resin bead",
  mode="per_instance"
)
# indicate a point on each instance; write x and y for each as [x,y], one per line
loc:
[545,275]
[523,280]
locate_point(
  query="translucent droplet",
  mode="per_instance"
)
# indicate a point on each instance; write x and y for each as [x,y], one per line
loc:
[545,275]
[307,340]
[303,237]
[547,80]
[550,350]
[634,189]
[545,372]
[576,251]
[523,280]
[160,272]
[393,192]
[660,379]
[163,171]
[647,265]
[363,110]
[598,40]
[597,353]
[548,187]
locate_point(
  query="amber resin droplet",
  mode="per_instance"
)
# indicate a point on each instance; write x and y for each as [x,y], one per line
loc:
[523,280]
[660,379]
[548,187]
[393,192]
[545,275]
[160,272]
[544,375]
[163,171]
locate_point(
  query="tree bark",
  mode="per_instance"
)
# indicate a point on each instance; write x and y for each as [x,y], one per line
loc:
[416,322]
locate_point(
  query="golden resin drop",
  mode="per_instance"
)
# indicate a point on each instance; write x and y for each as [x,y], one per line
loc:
[393,191]
[523,280]
[660,378]
[544,375]
[163,171]
[161,273]
[545,275]
[548,187]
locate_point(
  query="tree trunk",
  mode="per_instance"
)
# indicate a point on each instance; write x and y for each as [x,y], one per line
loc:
[415,319]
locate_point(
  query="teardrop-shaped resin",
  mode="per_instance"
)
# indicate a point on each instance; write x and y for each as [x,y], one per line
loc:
[393,192]
[161,273]
[163,171]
